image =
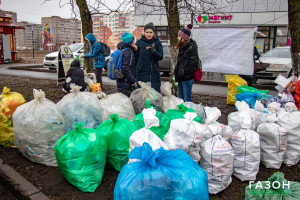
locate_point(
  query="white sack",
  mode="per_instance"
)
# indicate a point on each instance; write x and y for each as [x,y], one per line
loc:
[198,108]
[140,95]
[170,101]
[117,103]
[273,142]
[138,137]
[243,118]
[37,126]
[185,134]
[80,107]
[217,160]
[291,121]
[246,145]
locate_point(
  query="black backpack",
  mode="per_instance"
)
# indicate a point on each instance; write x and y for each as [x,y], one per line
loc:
[106,49]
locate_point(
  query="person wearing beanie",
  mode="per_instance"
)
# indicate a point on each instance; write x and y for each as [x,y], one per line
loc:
[96,53]
[187,63]
[127,84]
[75,75]
[149,52]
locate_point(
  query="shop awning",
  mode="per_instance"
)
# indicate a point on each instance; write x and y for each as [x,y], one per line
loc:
[11,25]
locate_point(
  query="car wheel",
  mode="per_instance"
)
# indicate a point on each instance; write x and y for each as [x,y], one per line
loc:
[290,73]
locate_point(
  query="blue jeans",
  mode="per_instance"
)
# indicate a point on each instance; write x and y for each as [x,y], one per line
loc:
[185,90]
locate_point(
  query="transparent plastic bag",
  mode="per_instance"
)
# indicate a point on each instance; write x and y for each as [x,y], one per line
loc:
[117,103]
[170,101]
[198,108]
[80,107]
[38,125]
[140,95]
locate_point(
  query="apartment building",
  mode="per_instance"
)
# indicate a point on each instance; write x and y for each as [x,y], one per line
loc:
[59,31]
[29,37]
[109,28]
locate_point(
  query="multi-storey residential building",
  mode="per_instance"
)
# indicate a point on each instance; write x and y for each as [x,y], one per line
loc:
[29,37]
[11,14]
[109,28]
[59,31]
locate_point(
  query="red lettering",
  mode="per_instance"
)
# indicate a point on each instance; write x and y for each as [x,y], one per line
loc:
[226,17]
[211,18]
[223,17]
[230,17]
[219,17]
[215,17]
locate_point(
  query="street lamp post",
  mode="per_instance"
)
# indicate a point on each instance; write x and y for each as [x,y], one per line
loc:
[32,43]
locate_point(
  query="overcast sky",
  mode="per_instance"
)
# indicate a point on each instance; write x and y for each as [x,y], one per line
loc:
[33,10]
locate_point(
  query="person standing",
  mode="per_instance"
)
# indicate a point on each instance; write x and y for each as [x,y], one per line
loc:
[96,53]
[128,67]
[187,63]
[149,52]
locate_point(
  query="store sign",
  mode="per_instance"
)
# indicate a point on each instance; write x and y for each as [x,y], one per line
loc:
[214,18]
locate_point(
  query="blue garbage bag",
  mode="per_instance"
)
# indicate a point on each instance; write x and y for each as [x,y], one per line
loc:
[249,97]
[161,174]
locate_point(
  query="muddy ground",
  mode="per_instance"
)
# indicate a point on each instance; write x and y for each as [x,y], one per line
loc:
[51,181]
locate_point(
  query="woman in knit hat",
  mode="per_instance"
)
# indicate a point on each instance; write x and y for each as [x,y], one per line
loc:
[149,52]
[187,63]
[128,83]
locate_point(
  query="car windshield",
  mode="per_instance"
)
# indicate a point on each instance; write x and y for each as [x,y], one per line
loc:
[166,49]
[75,47]
[279,53]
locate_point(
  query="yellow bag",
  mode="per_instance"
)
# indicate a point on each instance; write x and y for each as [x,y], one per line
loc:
[95,87]
[233,82]
[9,101]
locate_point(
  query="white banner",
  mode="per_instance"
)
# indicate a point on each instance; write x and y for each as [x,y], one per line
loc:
[226,49]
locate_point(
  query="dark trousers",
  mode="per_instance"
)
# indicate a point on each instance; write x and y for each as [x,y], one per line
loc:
[99,76]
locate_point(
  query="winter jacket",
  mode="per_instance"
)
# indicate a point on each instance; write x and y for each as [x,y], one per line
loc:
[128,67]
[147,68]
[187,62]
[77,75]
[96,51]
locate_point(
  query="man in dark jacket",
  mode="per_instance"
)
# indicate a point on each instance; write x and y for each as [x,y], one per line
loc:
[75,75]
[187,63]
[127,84]
[149,52]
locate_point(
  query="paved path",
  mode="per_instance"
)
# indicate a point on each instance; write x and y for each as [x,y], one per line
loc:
[211,84]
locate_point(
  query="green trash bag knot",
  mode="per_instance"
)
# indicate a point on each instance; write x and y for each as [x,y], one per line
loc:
[78,126]
[182,108]
[147,104]
[114,117]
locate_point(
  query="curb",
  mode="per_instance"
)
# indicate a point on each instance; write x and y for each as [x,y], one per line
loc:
[20,187]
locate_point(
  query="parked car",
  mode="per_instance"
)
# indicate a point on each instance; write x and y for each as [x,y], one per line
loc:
[279,62]
[51,59]
[165,63]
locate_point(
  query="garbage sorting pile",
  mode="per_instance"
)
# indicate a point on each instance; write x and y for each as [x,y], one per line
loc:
[166,149]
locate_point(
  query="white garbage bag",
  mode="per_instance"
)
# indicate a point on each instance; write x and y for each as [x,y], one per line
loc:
[170,101]
[213,114]
[37,126]
[217,160]
[117,103]
[140,136]
[198,108]
[243,118]
[273,142]
[246,145]
[140,95]
[185,134]
[291,122]
[80,107]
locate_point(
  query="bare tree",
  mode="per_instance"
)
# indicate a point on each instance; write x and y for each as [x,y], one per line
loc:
[294,25]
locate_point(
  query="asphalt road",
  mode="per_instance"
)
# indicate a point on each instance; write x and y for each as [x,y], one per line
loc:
[211,84]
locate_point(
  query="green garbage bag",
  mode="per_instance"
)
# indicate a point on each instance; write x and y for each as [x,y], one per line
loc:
[178,113]
[117,133]
[80,156]
[245,88]
[285,190]
[164,122]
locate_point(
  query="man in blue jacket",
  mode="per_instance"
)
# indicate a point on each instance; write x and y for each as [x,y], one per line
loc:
[96,53]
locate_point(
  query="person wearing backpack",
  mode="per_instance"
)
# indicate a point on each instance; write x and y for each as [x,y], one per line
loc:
[187,63]
[149,52]
[128,64]
[96,53]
